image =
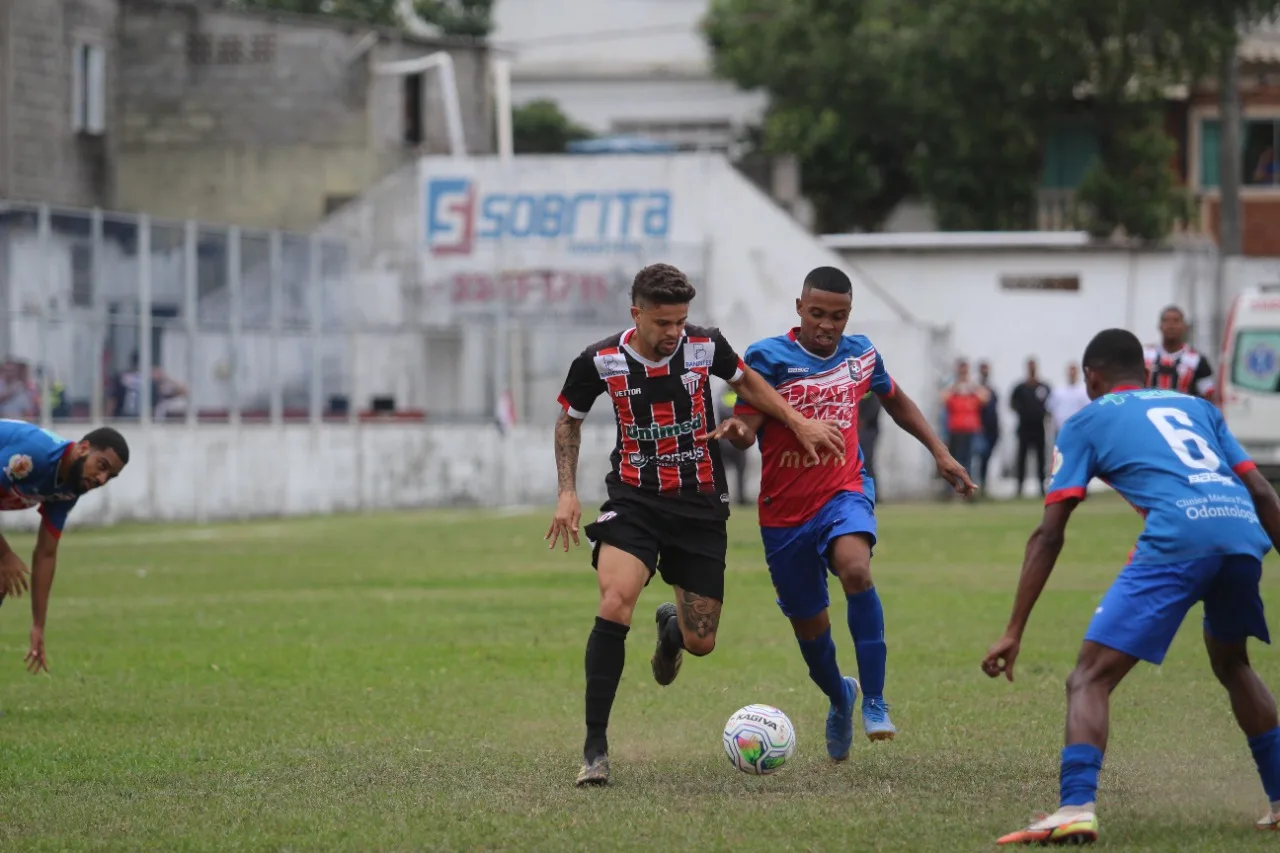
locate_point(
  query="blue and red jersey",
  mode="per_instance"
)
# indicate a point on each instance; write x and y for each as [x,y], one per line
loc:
[29,461]
[1176,462]
[821,388]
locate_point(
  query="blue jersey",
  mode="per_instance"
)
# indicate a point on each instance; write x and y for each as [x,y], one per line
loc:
[1173,458]
[822,388]
[29,460]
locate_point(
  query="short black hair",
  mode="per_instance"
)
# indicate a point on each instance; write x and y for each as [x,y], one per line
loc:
[1182,315]
[828,279]
[1116,354]
[106,438]
[661,284]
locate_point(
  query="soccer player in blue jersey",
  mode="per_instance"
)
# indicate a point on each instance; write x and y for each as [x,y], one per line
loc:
[1210,517]
[820,518]
[38,468]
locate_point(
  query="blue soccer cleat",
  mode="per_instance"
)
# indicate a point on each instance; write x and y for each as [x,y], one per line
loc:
[875,719]
[840,722]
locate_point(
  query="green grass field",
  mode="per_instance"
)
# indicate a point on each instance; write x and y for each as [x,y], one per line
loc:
[414,682]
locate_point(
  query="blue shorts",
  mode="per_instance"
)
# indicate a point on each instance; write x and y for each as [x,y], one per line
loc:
[1143,609]
[797,556]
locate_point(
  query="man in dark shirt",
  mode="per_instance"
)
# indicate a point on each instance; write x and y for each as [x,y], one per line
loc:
[1029,400]
[869,431]
[990,422]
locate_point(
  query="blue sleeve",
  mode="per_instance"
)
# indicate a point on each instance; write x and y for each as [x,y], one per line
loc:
[1074,463]
[1235,456]
[55,515]
[881,382]
[758,360]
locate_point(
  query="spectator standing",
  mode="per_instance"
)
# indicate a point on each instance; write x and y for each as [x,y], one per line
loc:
[963,401]
[990,423]
[1029,402]
[1066,400]
[869,431]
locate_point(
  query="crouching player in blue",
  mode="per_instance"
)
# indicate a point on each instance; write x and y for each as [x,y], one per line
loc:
[820,518]
[38,468]
[1210,517]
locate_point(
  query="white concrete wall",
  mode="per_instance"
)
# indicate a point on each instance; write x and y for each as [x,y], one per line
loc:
[210,472]
[945,282]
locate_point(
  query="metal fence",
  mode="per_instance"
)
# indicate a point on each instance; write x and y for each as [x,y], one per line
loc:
[228,324]
[106,316]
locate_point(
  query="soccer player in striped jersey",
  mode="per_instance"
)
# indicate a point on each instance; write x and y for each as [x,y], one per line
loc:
[668,501]
[816,519]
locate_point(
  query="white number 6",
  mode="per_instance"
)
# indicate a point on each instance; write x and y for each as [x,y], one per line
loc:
[1178,438]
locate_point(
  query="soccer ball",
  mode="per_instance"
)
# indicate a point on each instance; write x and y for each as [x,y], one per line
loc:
[759,739]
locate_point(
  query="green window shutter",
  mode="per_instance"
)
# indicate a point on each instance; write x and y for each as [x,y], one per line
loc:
[1210,144]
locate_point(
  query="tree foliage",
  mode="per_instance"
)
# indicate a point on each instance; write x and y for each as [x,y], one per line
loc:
[539,127]
[453,17]
[953,100]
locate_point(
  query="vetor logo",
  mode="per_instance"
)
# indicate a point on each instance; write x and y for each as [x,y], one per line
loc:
[458,216]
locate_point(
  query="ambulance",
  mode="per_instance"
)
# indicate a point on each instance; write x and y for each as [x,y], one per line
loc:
[1249,380]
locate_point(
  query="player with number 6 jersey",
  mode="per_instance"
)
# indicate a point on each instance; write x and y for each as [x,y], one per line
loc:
[1210,517]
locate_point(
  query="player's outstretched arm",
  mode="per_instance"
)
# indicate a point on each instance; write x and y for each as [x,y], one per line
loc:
[44,561]
[907,415]
[13,572]
[1041,555]
[756,392]
[739,430]
[568,441]
[1266,503]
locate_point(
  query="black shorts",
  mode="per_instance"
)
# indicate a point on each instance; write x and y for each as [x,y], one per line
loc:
[687,552]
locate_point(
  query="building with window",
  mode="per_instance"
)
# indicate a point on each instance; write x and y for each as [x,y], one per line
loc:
[186,109]
[634,67]
[1193,120]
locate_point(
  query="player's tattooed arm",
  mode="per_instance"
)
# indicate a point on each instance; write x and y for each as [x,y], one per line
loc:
[564,524]
[568,443]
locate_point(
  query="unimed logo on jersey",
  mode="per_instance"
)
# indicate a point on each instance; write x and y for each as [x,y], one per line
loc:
[655,432]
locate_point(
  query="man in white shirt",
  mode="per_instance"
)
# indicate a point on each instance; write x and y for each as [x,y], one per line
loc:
[1066,400]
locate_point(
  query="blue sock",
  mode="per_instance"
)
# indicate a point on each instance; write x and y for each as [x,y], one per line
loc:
[1266,754]
[1081,763]
[820,654]
[866,623]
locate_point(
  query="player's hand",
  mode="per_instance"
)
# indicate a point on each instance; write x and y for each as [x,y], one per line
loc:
[565,522]
[1001,656]
[815,435]
[36,659]
[953,472]
[731,429]
[13,575]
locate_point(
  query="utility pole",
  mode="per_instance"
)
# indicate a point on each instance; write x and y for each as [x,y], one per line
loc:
[1230,167]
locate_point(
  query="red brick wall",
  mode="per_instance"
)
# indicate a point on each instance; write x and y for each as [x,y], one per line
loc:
[1261,225]
[1267,95]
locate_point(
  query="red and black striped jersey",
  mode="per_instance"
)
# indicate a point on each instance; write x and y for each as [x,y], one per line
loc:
[664,412]
[1186,371]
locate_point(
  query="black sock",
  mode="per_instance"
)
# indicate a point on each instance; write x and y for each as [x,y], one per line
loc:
[672,636]
[606,652]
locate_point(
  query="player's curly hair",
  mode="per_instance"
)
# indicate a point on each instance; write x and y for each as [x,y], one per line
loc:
[661,284]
